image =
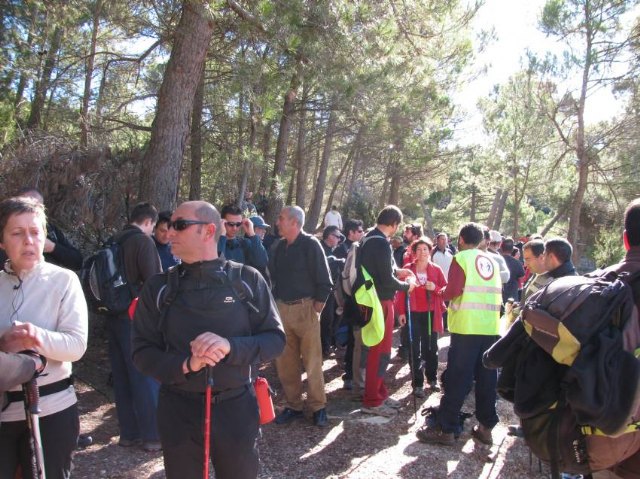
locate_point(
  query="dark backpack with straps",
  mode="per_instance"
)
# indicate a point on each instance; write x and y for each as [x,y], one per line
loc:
[232,277]
[570,374]
[103,277]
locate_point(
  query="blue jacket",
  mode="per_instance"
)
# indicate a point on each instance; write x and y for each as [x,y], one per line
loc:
[244,250]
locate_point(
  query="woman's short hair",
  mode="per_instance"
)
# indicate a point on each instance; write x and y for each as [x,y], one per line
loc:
[19,205]
[419,241]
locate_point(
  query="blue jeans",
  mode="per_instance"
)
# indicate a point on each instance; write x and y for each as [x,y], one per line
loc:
[136,394]
[464,364]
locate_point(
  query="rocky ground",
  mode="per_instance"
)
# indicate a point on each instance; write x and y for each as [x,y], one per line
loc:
[354,446]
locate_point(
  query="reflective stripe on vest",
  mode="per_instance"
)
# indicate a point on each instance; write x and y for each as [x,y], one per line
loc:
[477,309]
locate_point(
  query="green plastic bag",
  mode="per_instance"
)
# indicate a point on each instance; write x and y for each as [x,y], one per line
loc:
[373,331]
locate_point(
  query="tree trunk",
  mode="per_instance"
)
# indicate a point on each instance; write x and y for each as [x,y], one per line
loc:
[242,159]
[28,52]
[266,146]
[42,85]
[316,204]
[576,207]
[428,220]
[292,180]
[161,162]
[85,123]
[518,196]
[560,214]
[474,203]
[357,160]
[301,164]
[394,186]
[581,145]
[500,210]
[195,177]
[338,181]
[494,208]
[276,197]
[385,185]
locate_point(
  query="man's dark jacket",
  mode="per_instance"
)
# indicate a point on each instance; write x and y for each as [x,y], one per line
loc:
[205,302]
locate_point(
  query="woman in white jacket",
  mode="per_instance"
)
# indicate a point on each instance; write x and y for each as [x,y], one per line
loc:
[42,309]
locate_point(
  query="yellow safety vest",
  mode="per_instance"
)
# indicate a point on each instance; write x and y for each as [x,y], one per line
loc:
[477,309]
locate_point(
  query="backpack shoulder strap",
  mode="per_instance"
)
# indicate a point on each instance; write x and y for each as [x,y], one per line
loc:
[233,278]
[169,291]
[167,294]
[124,236]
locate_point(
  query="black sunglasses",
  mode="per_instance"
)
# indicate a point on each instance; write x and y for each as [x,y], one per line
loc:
[181,225]
[237,225]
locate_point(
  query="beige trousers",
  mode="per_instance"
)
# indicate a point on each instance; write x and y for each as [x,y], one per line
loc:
[302,327]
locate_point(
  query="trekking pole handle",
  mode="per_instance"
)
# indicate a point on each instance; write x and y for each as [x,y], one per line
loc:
[32,396]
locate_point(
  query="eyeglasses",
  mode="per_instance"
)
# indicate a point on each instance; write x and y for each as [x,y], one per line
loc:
[233,225]
[181,225]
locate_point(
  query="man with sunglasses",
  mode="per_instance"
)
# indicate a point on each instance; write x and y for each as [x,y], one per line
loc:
[247,249]
[202,324]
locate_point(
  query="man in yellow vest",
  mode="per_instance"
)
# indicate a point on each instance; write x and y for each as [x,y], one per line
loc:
[474,291]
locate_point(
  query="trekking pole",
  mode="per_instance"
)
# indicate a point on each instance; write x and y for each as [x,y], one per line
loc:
[411,365]
[207,421]
[31,410]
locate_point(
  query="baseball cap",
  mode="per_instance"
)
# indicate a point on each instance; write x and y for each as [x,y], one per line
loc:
[495,236]
[258,222]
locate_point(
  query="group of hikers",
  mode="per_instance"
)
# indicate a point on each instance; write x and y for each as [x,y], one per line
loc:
[214,295]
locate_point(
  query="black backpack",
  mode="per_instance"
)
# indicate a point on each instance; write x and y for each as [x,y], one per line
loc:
[232,277]
[565,368]
[103,277]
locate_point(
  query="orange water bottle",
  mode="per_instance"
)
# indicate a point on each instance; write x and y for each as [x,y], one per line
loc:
[265,403]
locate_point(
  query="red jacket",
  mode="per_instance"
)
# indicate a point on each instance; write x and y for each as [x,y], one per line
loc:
[418,297]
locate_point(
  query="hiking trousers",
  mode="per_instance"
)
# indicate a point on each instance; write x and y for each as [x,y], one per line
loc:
[424,348]
[234,432]
[302,326]
[59,434]
[378,356]
[136,395]
[464,364]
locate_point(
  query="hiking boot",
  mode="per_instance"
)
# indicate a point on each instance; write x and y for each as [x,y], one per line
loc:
[129,442]
[435,435]
[516,430]
[320,418]
[482,434]
[433,385]
[392,403]
[419,393]
[382,410]
[84,440]
[151,446]
[288,415]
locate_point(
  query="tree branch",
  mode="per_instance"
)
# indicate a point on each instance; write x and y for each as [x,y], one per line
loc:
[246,16]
